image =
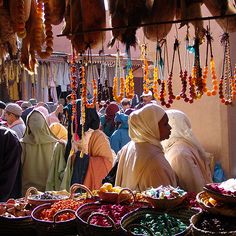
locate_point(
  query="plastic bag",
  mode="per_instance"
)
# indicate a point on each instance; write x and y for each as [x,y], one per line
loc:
[219,175]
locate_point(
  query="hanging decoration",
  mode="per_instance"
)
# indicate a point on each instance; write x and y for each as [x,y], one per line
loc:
[84,85]
[214,81]
[156,81]
[146,81]
[185,79]
[171,95]
[227,81]
[118,76]
[197,70]
[74,87]
[129,80]
[43,7]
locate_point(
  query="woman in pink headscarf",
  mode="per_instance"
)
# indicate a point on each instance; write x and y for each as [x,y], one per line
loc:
[107,120]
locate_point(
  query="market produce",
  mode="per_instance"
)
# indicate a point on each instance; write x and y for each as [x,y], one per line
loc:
[48,214]
[15,208]
[160,225]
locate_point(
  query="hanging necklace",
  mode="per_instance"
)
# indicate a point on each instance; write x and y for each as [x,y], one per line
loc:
[84,85]
[227,83]
[146,81]
[197,70]
[214,81]
[118,76]
[129,80]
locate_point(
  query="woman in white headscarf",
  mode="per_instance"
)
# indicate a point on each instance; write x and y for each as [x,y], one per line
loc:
[185,154]
[39,148]
[141,162]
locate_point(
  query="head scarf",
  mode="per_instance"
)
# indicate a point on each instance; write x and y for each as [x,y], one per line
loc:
[59,131]
[122,119]
[111,110]
[181,130]
[144,124]
[37,130]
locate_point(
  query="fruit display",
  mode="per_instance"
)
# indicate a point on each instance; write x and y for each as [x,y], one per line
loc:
[107,187]
[47,214]
[15,208]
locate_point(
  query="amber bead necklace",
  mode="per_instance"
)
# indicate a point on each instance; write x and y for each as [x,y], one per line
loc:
[214,81]
[197,70]
[84,84]
[129,80]
[118,81]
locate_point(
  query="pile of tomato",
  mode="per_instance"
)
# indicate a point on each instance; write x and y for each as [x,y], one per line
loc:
[48,214]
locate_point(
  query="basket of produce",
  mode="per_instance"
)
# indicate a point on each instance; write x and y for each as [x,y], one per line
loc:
[152,222]
[108,193]
[206,224]
[58,218]
[106,222]
[215,206]
[224,192]
[166,197]
[35,197]
[15,217]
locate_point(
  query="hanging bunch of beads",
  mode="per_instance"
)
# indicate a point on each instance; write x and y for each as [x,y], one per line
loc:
[171,95]
[74,87]
[156,80]
[129,80]
[227,83]
[197,70]
[185,79]
[214,81]
[119,97]
[146,81]
[84,90]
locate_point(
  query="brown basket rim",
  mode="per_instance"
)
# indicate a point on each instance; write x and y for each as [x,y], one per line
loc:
[200,214]
[224,210]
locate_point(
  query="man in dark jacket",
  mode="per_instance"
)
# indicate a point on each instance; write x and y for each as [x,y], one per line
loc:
[10,165]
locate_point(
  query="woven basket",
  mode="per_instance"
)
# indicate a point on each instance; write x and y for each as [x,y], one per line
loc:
[131,219]
[218,196]
[124,195]
[84,228]
[12,226]
[196,231]
[36,202]
[224,209]
[164,204]
[45,228]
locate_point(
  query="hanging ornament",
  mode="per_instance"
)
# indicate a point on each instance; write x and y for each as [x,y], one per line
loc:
[197,70]
[84,99]
[118,76]
[171,95]
[227,81]
[185,79]
[74,87]
[214,81]
[129,80]
[156,80]
[146,81]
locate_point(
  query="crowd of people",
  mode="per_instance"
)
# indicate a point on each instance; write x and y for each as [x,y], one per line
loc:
[135,146]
